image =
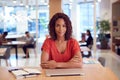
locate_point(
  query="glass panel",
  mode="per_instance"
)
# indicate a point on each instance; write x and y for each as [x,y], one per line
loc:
[86,16]
[1,20]
[9,20]
[66,9]
[19,19]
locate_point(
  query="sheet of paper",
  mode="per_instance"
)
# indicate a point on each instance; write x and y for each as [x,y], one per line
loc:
[33,71]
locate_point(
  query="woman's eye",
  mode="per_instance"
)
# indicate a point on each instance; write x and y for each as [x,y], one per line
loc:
[57,25]
[64,26]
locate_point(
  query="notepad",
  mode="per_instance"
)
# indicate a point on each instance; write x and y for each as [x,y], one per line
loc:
[90,61]
[24,72]
[64,72]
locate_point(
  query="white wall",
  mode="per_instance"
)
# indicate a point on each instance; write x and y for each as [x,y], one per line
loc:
[105,9]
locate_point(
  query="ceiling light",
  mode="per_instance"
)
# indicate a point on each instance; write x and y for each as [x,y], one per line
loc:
[99,0]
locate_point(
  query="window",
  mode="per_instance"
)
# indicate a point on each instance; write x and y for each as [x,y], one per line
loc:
[18,19]
[66,9]
[86,16]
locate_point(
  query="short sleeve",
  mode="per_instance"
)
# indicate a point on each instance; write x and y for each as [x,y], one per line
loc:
[75,47]
[46,46]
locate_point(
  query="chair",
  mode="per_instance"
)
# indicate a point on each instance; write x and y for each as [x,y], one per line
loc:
[87,50]
[6,55]
[33,47]
[102,60]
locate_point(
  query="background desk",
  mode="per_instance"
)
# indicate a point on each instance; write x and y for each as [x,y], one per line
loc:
[84,48]
[82,43]
[92,72]
[14,44]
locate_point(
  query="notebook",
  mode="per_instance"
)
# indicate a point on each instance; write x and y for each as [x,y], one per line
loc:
[24,72]
[64,72]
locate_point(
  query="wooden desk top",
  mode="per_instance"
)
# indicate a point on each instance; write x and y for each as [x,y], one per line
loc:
[92,72]
[14,43]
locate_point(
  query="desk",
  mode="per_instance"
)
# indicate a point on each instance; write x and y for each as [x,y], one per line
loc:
[14,44]
[84,48]
[92,72]
[82,43]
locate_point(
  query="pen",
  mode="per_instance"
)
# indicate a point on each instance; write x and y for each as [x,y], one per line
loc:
[26,76]
[66,75]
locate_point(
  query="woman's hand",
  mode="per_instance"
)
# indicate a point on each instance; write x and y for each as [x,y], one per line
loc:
[49,64]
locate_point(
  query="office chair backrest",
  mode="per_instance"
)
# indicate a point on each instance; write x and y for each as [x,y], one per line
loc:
[102,60]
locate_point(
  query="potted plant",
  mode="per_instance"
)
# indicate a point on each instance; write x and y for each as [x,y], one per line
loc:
[104,27]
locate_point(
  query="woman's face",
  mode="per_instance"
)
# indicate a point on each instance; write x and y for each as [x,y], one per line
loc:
[60,27]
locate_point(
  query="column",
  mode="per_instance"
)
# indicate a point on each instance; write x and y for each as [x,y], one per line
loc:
[54,7]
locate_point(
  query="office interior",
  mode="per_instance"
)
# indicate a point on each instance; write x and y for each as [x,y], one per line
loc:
[18,16]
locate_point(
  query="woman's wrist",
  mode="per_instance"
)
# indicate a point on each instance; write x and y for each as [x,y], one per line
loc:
[58,65]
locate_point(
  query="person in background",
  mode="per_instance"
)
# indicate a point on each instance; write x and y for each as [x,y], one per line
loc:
[60,50]
[3,37]
[29,43]
[89,42]
[82,37]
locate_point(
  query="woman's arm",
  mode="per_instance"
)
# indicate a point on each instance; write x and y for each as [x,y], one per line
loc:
[44,59]
[75,62]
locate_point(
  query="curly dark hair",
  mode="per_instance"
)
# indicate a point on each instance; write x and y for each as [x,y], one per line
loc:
[52,22]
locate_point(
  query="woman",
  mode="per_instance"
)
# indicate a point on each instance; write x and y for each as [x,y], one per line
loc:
[89,42]
[60,50]
[89,39]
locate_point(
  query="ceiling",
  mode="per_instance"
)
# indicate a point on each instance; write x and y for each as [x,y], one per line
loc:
[19,2]
[32,2]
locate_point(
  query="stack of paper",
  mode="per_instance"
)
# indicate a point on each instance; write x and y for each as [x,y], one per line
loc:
[90,61]
[24,72]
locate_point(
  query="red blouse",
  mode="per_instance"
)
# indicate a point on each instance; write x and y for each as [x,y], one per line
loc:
[50,47]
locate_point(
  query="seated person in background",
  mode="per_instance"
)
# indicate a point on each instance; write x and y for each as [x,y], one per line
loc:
[60,50]
[29,43]
[83,37]
[89,42]
[89,39]
[3,37]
